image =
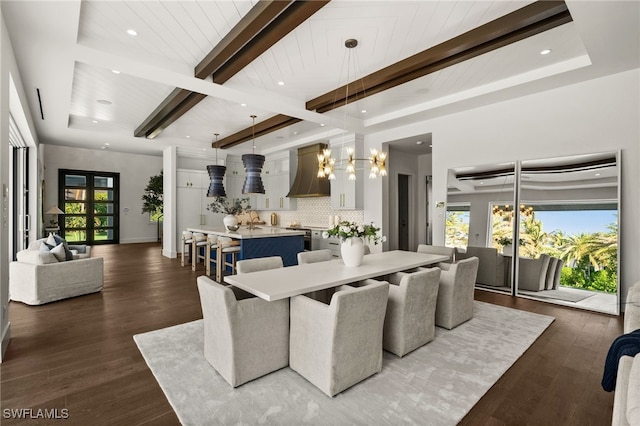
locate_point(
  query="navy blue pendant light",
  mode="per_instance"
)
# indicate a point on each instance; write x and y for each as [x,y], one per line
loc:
[253,166]
[216,174]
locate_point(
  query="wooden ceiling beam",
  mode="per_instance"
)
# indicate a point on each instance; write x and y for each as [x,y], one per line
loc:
[267,126]
[265,24]
[518,25]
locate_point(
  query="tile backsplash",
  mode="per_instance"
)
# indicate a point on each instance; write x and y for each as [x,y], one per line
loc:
[313,212]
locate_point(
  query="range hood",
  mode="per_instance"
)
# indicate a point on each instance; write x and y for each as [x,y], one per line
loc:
[307,183]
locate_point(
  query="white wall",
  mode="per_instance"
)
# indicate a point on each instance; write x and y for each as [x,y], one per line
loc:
[593,116]
[135,171]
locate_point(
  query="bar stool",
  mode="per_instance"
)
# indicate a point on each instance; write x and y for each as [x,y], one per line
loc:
[226,246]
[212,244]
[199,243]
[187,240]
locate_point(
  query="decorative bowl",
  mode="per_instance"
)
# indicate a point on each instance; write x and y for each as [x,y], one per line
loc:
[233,227]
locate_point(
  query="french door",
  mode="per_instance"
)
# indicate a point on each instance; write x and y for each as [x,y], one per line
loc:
[91,206]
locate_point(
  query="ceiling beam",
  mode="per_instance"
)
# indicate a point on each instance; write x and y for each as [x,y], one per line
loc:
[265,24]
[264,127]
[518,25]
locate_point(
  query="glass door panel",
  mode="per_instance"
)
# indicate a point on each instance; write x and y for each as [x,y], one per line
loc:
[91,206]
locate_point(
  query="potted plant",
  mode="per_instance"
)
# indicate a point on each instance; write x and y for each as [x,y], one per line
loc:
[507,244]
[152,200]
[352,235]
[231,208]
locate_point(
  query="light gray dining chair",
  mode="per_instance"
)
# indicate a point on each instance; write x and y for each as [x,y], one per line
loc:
[455,293]
[314,256]
[245,337]
[441,250]
[411,310]
[532,274]
[338,345]
[259,264]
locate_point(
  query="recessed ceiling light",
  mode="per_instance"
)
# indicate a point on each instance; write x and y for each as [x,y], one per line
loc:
[95,121]
[295,133]
[104,102]
[188,136]
[132,32]
[107,143]
[481,183]
[364,111]
[597,174]
[243,105]
[545,51]
[281,83]
[115,71]
[104,147]
[321,124]
[419,142]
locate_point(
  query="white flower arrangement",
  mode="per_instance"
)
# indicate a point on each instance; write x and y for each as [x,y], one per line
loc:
[346,229]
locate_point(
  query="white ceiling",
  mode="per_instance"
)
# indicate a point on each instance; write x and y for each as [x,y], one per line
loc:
[68,49]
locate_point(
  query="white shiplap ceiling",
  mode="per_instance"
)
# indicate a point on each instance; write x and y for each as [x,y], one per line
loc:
[69,50]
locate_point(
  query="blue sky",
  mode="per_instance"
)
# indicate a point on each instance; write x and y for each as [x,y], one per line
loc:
[575,222]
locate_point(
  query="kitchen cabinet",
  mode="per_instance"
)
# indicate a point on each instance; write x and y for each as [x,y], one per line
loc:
[192,201]
[276,177]
[347,194]
[331,243]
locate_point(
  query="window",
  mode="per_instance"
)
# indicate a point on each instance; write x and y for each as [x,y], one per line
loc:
[90,201]
[457,225]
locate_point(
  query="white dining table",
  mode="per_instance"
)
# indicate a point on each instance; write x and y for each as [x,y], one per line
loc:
[280,283]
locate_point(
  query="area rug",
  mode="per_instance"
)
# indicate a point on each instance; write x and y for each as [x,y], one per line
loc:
[573,295]
[436,384]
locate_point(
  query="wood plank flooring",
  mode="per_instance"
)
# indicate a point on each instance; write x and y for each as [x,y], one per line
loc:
[79,353]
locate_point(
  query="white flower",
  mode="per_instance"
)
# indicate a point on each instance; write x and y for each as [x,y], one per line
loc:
[325,234]
[361,228]
[345,229]
[383,239]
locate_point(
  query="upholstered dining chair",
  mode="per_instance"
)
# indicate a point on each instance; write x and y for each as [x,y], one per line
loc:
[455,293]
[411,310]
[259,264]
[532,274]
[441,250]
[245,337]
[314,256]
[338,345]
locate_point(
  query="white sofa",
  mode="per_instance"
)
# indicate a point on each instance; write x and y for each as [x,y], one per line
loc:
[626,404]
[37,277]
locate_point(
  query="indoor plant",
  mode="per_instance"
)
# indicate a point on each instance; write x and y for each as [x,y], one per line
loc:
[352,235]
[152,199]
[231,208]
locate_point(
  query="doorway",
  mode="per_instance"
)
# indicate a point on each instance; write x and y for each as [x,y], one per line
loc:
[91,206]
[403,212]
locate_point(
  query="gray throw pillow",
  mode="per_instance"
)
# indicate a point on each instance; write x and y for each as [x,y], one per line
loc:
[59,253]
[59,240]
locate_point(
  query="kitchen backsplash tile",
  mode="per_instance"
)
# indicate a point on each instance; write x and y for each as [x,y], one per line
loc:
[313,212]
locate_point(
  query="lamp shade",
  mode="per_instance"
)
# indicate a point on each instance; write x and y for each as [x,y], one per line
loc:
[54,210]
[216,174]
[253,181]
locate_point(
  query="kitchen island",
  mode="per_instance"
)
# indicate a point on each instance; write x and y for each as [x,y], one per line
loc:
[263,241]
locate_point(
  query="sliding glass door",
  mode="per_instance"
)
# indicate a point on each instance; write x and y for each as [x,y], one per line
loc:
[91,206]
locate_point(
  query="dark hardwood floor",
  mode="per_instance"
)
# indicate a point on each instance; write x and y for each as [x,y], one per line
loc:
[79,354]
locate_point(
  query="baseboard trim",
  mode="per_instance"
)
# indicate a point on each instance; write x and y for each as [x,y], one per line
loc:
[170,254]
[139,240]
[6,338]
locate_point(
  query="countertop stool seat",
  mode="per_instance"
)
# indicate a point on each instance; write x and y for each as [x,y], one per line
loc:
[227,247]
[187,241]
[198,247]
[212,245]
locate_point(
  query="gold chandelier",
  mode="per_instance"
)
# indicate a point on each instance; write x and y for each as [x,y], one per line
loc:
[506,212]
[377,159]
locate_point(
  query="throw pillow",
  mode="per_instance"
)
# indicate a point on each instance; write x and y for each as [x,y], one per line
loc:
[59,252]
[51,240]
[36,257]
[60,240]
[45,248]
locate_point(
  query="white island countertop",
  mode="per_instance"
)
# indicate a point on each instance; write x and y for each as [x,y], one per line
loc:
[244,232]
